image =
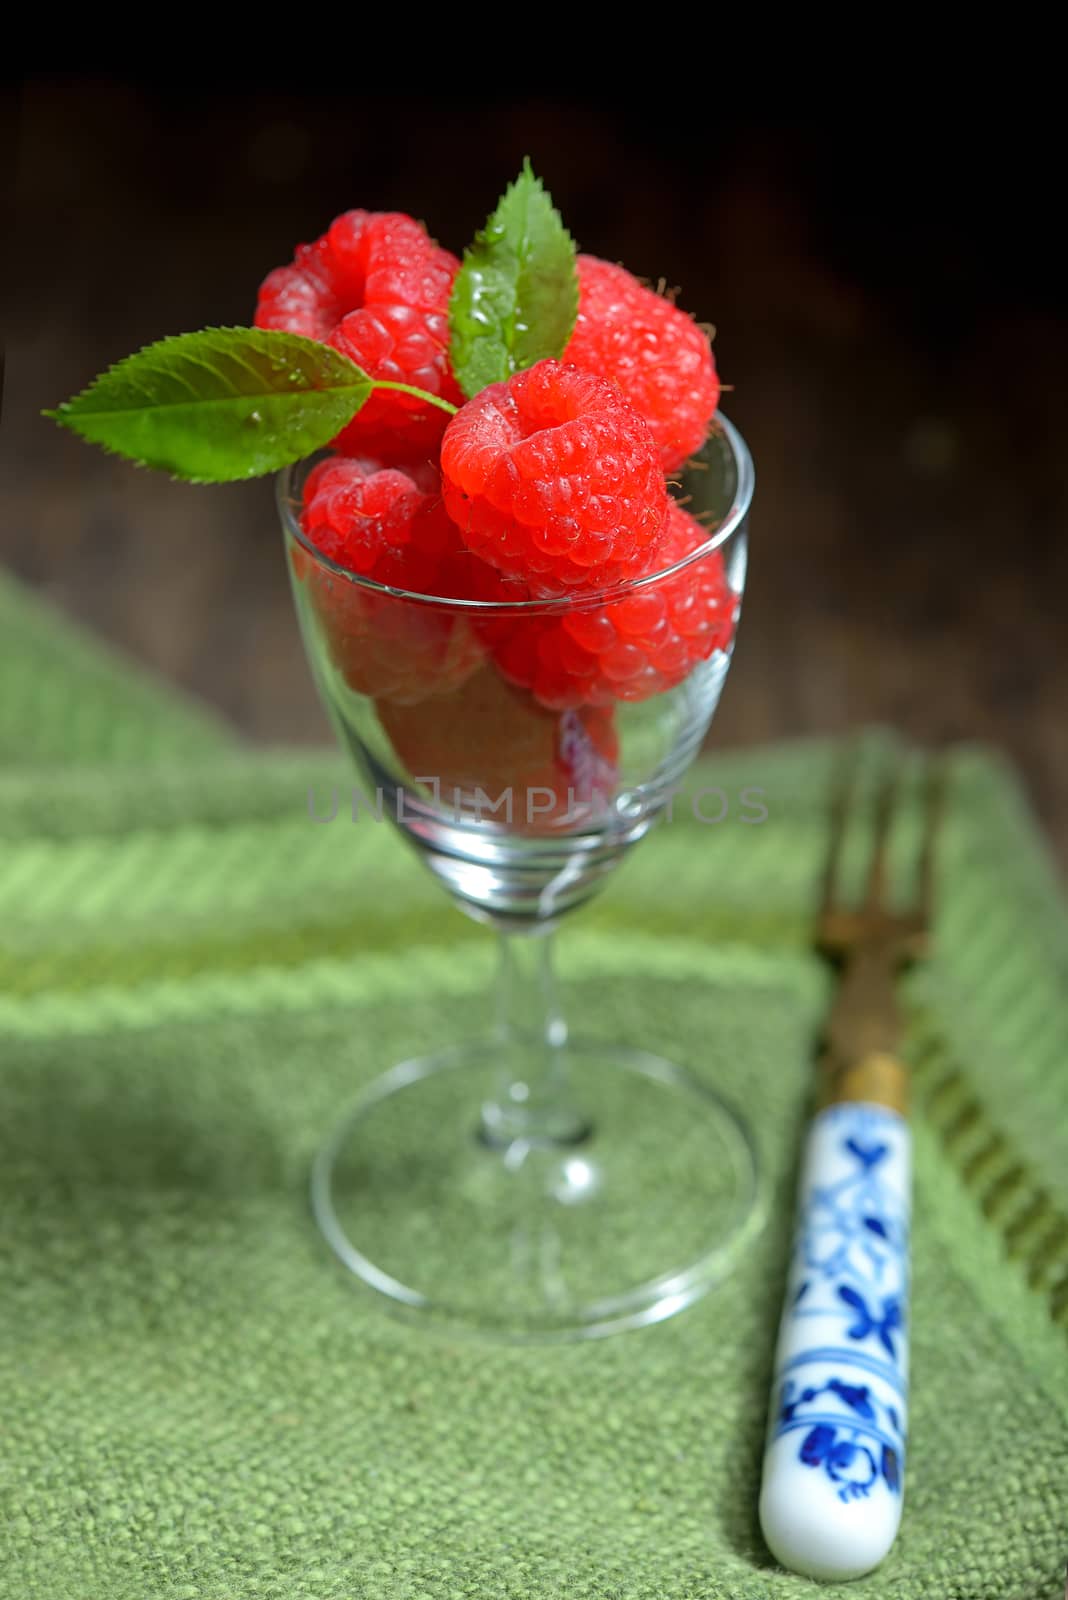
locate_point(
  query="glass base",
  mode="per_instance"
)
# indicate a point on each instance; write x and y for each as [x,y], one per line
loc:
[623,1226]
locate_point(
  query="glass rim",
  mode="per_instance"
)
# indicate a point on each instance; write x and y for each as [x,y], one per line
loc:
[734,519]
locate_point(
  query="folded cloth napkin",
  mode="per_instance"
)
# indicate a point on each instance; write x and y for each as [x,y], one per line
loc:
[64,698]
[194,976]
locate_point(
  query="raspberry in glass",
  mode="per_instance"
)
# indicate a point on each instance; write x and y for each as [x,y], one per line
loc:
[376,287]
[656,353]
[632,648]
[387,523]
[535,769]
[553,478]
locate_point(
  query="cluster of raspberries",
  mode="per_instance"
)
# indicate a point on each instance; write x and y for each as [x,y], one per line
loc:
[551,485]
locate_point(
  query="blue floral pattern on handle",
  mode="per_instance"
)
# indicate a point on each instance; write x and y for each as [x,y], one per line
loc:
[850,1433]
[884,1323]
[849,1277]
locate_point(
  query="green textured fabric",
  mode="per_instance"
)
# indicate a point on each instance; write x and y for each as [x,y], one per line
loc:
[64,698]
[197,1404]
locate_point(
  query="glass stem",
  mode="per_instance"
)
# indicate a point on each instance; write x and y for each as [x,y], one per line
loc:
[533,1102]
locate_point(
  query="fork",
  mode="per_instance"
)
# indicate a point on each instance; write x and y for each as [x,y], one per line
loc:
[831,1498]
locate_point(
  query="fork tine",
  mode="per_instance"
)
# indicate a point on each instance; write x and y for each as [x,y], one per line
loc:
[843,784]
[934,802]
[885,803]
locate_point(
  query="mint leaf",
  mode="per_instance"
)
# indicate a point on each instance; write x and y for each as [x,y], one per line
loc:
[515,299]
[219,405]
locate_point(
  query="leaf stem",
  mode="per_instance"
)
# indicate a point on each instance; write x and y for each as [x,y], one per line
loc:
[420,394]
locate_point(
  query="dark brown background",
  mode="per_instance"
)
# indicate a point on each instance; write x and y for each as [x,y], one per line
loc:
[890,296]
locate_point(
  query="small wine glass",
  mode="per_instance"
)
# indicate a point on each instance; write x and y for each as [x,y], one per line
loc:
[529,1185]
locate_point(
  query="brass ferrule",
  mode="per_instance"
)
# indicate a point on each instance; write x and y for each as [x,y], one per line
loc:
[875,1077]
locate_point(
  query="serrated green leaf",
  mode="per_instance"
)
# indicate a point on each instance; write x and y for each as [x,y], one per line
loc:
[220,405]
[515,298]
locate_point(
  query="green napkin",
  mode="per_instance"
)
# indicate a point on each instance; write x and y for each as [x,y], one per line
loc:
[194,978]
[64,698]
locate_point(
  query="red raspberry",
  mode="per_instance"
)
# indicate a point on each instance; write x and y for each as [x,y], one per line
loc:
[555,769]
[376,287]
[553,477]
[657,354]
[375,519]
[388,524]
[631,649]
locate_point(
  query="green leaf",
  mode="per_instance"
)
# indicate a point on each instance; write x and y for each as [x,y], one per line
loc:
[515,299]
[219,405]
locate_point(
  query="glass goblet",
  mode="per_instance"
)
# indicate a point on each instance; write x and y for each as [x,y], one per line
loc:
[528,1184]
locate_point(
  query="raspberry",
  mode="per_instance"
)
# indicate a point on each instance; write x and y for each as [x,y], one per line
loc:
[388,524]
[657,354]
[553,477]
[536,769]
[376,287]
[376,520]
[632,648]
